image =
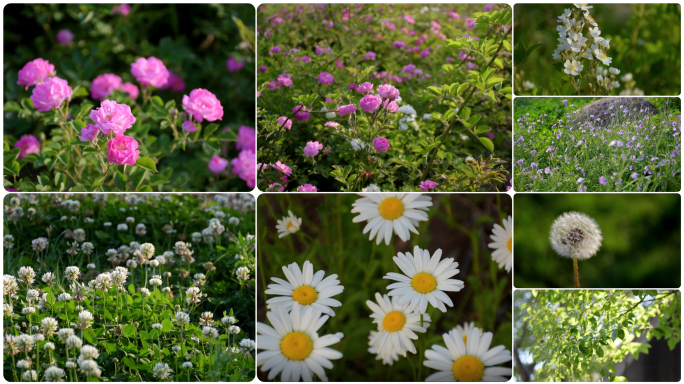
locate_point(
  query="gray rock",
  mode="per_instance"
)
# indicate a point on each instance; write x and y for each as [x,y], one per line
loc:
[601,109]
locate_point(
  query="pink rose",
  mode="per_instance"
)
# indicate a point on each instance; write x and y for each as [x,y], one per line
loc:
[399,44]
[113,117]
[285,122]
[272,186]
[339,64]
[365,88]
[123,150]
[203,104]
[234,65]
[34,72]
[28,145]
[50,94]
[64,37]
[275,50]
[285,81]
[425,53]
[387,91]
[123,9]
[217,164]
[103,85]
[370,103]
[312,148]
[301,113]
[381,144]
[243,166]
[283,168]
[246,139]
[325,78]
[89,133]
[131,89]
[175,83]
[189,126]
[370,55]
[427,185]
[346,109]
[332,124]
[307,188]
[263,68]
[150,71]
[391,106]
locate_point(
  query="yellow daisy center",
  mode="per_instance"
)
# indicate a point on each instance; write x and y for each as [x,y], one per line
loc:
[391,208]
[289,225]
[305,295]
[296,346]
[424,282]
[468,368]
[510,244]
[394,321]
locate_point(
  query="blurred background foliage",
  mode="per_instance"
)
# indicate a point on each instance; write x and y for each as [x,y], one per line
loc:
[645,40]
[641,241]
[459,224]
[194,41]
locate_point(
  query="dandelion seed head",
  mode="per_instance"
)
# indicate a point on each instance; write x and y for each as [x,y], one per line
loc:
[575,235]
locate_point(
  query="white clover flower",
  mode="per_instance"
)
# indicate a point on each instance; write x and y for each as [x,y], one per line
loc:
[72,273]
[575,235]
[155,281]
[49,346]
[90,368]
[107,224]
[122,227]
[145,292]
[48,325]
[26,275]
[242,273]
[87,248]
[156,326]
[161,371]
[182,318]
[39,244]
[210,332]
[85,319]
[48,278]
[187,365]
[89,352]
[140,229]
[73,342]
[130,220]
[176,348]
[228,320]
[79,235]
[23,364]
[54,374]
[131,264]
[247,344]
[24,342]
[30,375]
[234,329]
[193,295]
[28,310]
[8,241]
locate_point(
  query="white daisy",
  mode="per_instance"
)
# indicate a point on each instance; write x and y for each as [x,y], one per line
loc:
[385,212]
[374,343]
[425,280]
[292,345]
[288,225]
[305,288]
[397,326]
[465,329]
[472,362]
[502,242]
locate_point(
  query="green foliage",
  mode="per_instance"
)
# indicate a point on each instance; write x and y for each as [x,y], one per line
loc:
[463,69]
[460,225]
[563,335]
[644,41]
[193,41]
[641,241]
[122,331]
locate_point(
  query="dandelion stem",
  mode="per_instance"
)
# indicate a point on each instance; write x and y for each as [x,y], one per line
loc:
[574,264]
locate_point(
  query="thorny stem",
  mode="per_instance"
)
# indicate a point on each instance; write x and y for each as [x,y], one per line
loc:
[447,129]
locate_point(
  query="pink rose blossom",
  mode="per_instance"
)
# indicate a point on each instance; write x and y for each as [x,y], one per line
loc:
[364,88]
[408,68]
[399,44]
[64,37]
[113,117]
[175,83]
[131,89]
[123,9]
[339,64]
[243,166]
[123,150]
[28,144]
[150,71]
[346,109]
[302,113]
[34,72]
[234,65]
[283,168]
[370,103]
[51,93]
[202,104]
[333,124]
[272,187]
[275,50]
[285,81]
[246,139]
[307,188]
[381,144]
[391,106]
[89,133]
[325,78]
[263,68]
[189,126]
[425,53]
[103,85]
[285,122]
[312,148]
[387,91]
[470,23]
[427,185]
[217,164]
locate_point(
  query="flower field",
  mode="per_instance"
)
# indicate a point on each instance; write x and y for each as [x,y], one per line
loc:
[616,148]
[129,98]
[128,287]
[405,97]
[384,287]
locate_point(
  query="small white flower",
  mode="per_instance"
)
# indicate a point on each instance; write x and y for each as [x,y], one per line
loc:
[288,225]
[573,67]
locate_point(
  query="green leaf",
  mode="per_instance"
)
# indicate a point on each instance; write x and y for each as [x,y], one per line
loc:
[145,188]
[137,178]
[120,181]
[209,130]
[166,325]
[146,163]
[157,102]
[618,379]
[482,129]
[129,330]
[227,136]
[10,156]
[158,179]
[465,114]
[462,88]
[129,362]
[487,143]
[131,289]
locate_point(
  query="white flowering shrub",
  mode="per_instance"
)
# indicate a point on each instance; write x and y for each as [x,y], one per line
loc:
[88,301]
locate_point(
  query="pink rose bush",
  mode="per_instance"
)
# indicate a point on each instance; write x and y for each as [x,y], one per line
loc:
[415,97]
[140,108]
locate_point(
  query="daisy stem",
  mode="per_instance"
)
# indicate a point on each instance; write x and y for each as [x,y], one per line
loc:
[574,264]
